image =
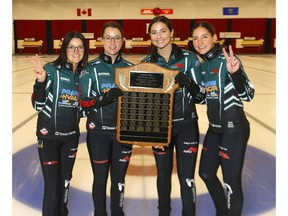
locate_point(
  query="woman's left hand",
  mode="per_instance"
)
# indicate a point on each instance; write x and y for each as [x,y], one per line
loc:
[232,63]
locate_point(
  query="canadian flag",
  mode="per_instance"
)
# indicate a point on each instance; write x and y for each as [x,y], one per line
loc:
[84,12]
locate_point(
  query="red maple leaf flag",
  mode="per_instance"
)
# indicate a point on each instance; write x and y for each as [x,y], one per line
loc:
[84,12]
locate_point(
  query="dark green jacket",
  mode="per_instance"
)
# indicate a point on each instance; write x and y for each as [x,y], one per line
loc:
[184,110]
[100,76]
[56,100]
[225,93]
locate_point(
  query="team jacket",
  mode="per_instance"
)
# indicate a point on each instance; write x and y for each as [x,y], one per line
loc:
[56,100]
[185,61]
[225,93]
[100,76]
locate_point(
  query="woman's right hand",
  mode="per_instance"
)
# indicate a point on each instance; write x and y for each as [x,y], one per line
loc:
[39,71]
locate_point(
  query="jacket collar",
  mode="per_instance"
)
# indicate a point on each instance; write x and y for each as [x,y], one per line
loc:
[176,53]
[107,59]
[213,53]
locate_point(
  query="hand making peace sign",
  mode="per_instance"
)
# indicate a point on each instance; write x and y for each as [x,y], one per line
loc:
[39,71]
[232,63]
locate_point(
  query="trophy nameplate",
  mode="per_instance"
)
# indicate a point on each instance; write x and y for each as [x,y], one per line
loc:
[145,110]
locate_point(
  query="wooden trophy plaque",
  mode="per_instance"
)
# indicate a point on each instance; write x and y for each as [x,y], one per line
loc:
[145,110]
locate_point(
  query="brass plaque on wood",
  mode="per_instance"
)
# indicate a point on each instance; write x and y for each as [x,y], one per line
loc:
[145,110]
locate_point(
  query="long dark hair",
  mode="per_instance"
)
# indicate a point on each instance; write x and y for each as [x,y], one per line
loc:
[62,58]
[162,19]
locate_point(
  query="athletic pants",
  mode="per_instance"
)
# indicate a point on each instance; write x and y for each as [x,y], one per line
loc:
[57,160]
[106,154]
[228,152]
[185,139]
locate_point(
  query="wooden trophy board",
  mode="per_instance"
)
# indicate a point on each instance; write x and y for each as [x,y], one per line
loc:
[145,110]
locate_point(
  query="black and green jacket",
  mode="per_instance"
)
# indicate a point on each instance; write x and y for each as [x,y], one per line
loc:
[56,100]
[100,76]
[225,93]
[185,61]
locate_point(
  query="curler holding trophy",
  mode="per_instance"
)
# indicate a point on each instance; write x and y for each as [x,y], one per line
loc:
[145,110]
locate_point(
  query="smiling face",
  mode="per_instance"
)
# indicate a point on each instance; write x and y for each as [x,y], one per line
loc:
[75,51]
[112,41]
[160,35]
[203,40]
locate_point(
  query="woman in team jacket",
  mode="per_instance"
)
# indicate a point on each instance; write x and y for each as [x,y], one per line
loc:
[55,97]
[185,131]
[226,85]
[99,96]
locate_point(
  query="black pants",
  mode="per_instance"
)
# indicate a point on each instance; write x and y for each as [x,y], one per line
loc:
[227,151]
[106,154]
[57,161]
[185,139]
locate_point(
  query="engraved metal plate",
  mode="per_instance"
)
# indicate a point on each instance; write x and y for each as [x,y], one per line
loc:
[145,110]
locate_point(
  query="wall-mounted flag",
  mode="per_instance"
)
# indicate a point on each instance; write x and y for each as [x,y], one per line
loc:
[83,12]
[230,10]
